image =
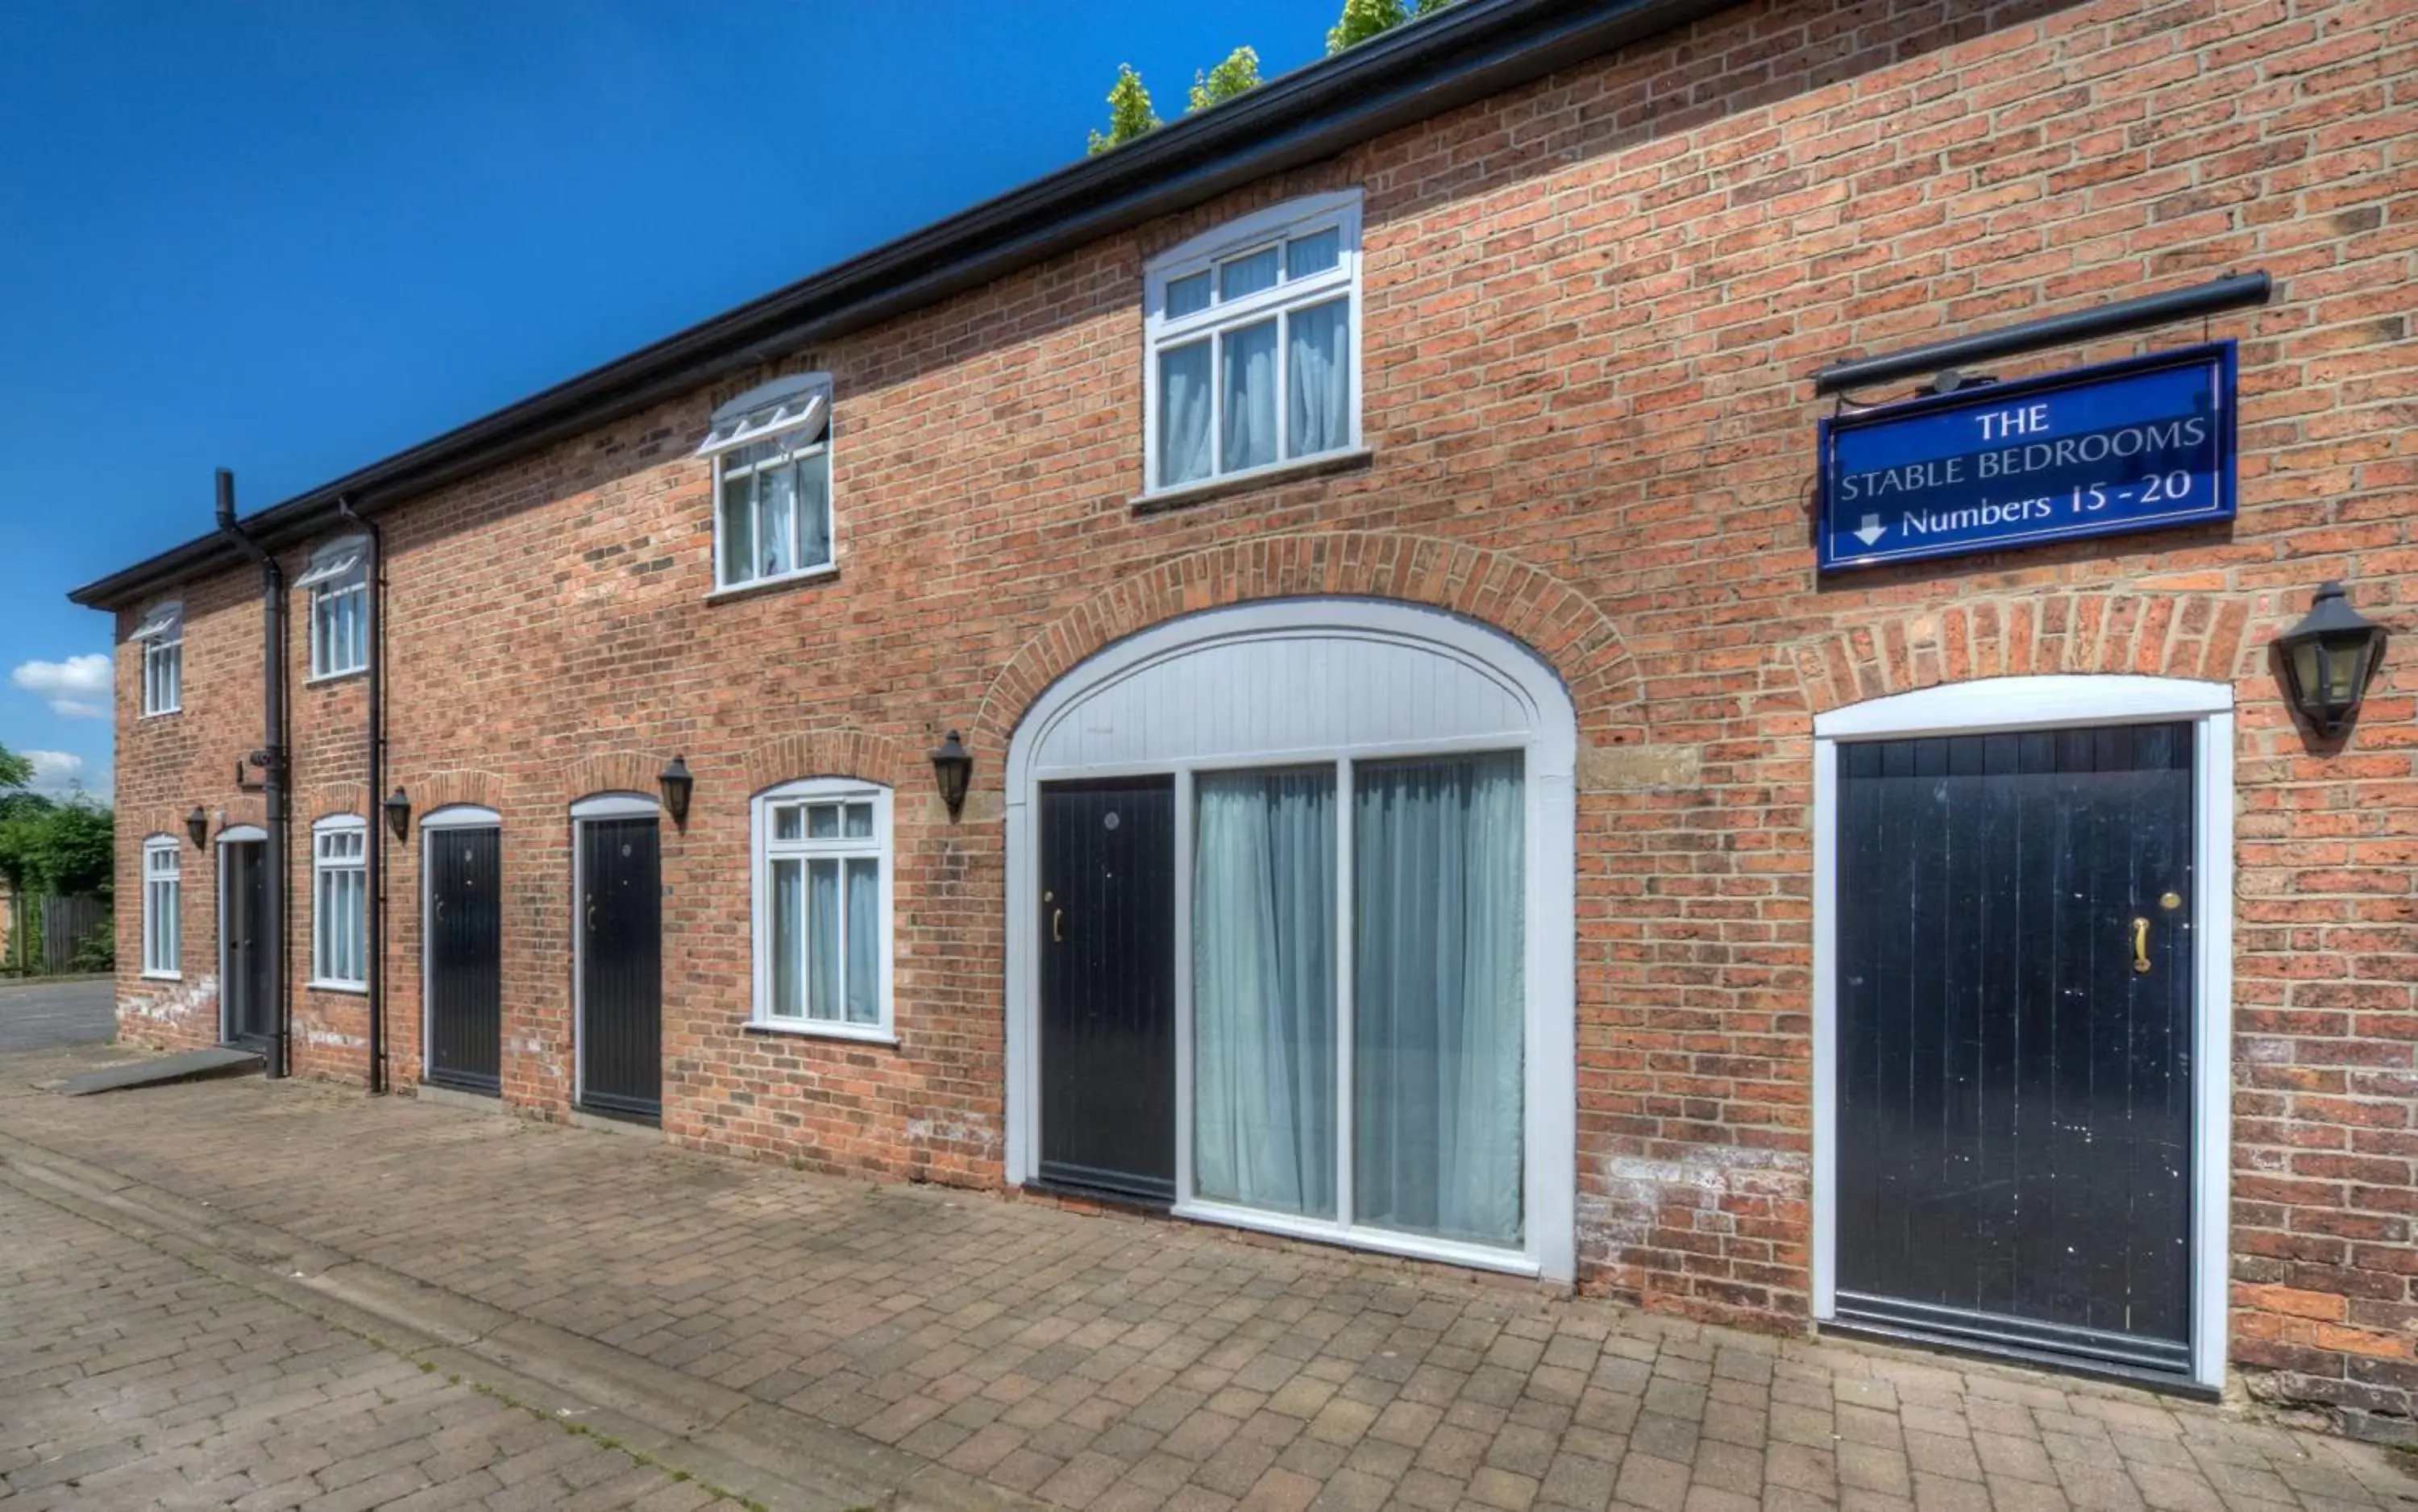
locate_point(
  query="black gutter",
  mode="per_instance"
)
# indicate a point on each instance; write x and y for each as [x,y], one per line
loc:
[373,830]
[2074,325]
[1465,53]
[271,758]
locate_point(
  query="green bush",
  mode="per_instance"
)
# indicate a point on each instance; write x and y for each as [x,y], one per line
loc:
[96,954]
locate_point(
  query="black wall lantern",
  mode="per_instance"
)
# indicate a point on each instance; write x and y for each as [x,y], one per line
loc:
[677,784]
[953,766]
[197,824]
[2327,659]
[398,814]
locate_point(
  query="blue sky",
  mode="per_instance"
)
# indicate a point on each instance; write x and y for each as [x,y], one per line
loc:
[292,239]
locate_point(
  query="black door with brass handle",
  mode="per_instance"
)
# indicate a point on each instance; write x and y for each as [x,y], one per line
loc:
[2015,1003]
[1108,986]
[619,916]
[465,967]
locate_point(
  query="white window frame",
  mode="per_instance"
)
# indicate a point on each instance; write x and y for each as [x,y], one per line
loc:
[161,635]
[807,409]
[164,921]
[879,846]
[1338,211]
[326,861]
[331,577]
[1992,705]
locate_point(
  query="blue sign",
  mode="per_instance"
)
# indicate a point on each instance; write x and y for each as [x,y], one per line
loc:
[2137,445]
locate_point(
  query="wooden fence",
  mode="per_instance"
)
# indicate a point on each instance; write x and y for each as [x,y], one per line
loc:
[42,932]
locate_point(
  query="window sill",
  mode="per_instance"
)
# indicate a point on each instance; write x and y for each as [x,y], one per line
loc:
[1237,482]
[324,678]
[160,713]
[774,584]
[854,1034]
[163,976]
[357,990]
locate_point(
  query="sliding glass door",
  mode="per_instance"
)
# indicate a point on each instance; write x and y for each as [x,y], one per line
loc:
[1359,942]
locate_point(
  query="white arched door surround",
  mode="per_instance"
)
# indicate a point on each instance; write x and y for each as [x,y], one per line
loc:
[1314,680]
[2015,703]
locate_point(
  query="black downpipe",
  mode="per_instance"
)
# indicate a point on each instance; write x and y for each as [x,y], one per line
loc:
[272,758]
[375,827]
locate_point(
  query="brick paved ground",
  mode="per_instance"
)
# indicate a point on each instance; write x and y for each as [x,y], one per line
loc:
[1124,1363]
[129,1379]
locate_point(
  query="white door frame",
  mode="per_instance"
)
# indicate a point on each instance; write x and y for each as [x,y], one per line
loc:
[451,817]
[1997,705]
[1548,749]
[595,806]
[234,835]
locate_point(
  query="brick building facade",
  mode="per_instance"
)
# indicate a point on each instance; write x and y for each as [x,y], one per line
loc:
[1588,299]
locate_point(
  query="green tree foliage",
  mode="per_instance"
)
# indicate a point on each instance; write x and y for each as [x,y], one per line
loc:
[96,954]
[66,849]
[1238,73]
[15,770]
[1360,20]
[1129,112]
[1364,18]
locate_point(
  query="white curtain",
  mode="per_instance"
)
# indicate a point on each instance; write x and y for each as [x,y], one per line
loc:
[777,493]
[822,939]
[863,941]
[1264,991]
[814,509]
[1249,398]
[788,939]
[1320,378]
[1438,875]
[1184,415]
[738,528]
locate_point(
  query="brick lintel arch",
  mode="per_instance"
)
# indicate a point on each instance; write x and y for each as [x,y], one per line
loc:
[436,791]
[1550,617]
[843,751]
[613,771]
[2206,636]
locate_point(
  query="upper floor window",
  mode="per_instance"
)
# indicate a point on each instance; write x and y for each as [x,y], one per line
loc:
[1253,333]
[163,885]
[161,635]
[772,481]
[339,903]
[338,580]
[822,907]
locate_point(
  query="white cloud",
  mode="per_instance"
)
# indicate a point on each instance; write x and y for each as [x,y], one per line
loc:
[55,771]
[78,688]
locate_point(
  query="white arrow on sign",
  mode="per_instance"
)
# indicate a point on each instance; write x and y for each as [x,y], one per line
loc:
[1873,529]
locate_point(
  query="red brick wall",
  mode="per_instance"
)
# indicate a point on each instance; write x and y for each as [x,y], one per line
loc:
[1591,307]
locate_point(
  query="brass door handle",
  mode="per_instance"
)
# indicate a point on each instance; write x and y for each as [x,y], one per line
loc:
[2141,945]
[1058,925]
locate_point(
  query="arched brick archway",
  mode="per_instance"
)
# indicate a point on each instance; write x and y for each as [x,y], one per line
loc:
[845,752]
[1552,618]
[2205,636]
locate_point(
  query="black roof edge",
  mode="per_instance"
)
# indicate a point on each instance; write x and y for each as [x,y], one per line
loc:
[1462,53]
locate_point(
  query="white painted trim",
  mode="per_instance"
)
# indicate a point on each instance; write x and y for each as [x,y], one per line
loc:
[161,844]
[463,816]
[617,806]
[2212,1051]
[1384,1241]
[1995,704]
[241,834]
[2025,703]
[1549,747]
[759,871]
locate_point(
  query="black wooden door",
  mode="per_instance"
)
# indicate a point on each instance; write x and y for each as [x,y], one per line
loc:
[1108,986]
[243,917]
[2016,1010]
[465,950]
[620,967]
